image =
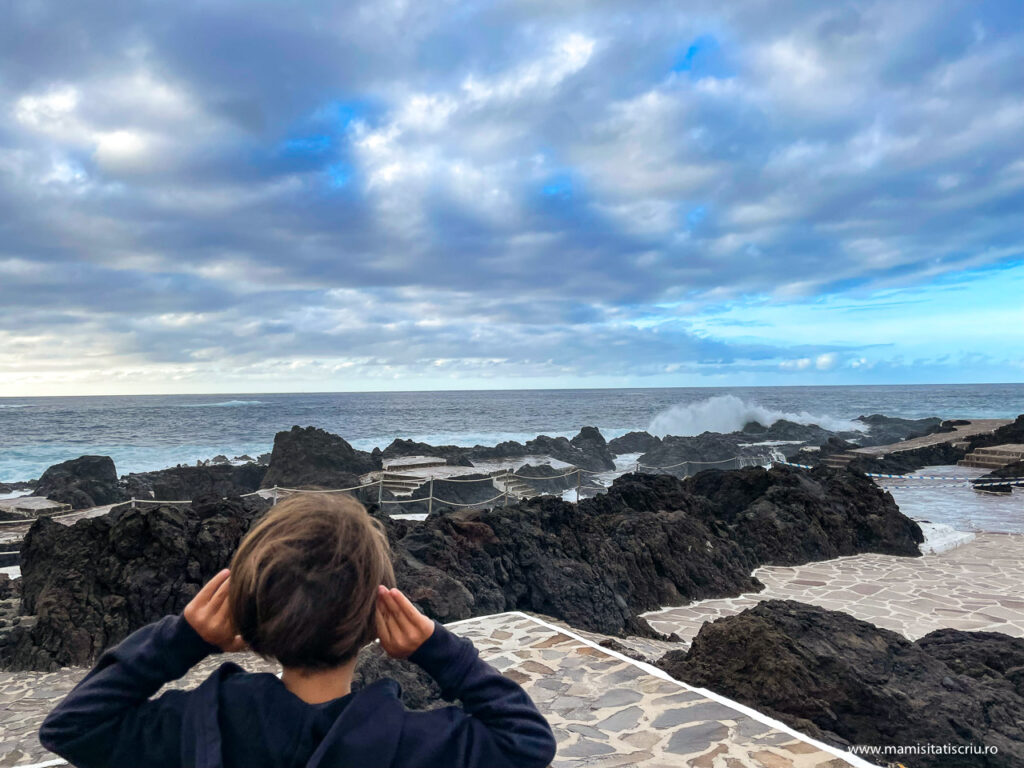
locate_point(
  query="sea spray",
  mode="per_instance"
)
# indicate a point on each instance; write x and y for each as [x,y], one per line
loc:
[728,413]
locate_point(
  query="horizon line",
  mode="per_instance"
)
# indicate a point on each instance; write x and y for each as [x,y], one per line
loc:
[517,389]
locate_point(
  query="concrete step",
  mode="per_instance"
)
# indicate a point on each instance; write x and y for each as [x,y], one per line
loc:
[994,456]
[838,460]
[998,453]
[983,463]
[405,464]
[516,487]
[397,483]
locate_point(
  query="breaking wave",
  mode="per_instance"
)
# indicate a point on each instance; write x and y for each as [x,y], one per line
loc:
[728,413]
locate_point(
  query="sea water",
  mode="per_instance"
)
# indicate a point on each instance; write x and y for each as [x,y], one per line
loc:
[153,432]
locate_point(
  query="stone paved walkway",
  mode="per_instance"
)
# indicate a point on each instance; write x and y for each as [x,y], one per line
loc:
[605,711]
[977,586]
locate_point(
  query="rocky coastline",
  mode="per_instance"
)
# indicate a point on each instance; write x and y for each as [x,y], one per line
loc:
[648,541]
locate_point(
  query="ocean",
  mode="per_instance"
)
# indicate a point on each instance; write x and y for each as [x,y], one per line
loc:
[153,432]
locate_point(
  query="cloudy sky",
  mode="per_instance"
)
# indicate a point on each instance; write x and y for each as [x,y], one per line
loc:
[258,196]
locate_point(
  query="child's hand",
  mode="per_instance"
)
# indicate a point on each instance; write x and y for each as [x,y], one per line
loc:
[401,628]
[209,615]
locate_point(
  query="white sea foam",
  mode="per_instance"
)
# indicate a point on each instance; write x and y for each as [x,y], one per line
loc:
[728,413]
[225,404]
[14,405]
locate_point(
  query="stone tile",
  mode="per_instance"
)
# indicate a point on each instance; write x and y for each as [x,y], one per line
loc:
[696,738]
[975,586]
[622,720]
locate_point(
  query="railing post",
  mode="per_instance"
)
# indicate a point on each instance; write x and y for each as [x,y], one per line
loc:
[133,502]
[506,487]
[430,500]
[380,490]
[579,482]
[275,494]
[637,470]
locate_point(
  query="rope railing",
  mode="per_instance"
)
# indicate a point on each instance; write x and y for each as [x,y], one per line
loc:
[430,498]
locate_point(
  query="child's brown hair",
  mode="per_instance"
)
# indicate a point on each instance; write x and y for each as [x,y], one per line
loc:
[304,581]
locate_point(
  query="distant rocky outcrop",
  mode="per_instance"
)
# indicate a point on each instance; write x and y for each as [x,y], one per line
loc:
[633,442]
[786,430]
[312,458]
[682,456]
[26,486]
[883,430]
[184,483]
[845,681]
[87,586]
[88,481]
[587,450]
[453,454]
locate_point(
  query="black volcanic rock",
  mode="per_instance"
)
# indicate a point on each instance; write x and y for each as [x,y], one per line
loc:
[901,462]
[883,430]
[92,583]
[27,486]
[633,442]
[184,483]
[313,458]
[991,657]
[546,479]
[599,563]
[786,517]
[593,565]
[1009,433]
[452,454]
[681,456]
[1013,470]
[651,541]
[783,429]
[587,450]
[88,481]
[845,681]
[591,443]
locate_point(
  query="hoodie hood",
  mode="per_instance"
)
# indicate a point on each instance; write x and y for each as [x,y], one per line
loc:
[231,705]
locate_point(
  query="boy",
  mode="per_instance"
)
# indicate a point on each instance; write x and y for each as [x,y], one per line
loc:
[309,586]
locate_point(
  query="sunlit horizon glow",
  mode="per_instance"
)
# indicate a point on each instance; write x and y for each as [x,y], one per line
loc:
[255,198]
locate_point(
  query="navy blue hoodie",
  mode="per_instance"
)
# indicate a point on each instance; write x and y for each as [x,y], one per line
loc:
[238,719]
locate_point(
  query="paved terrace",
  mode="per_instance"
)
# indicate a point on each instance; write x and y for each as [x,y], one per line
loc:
[974,587]
[606,710]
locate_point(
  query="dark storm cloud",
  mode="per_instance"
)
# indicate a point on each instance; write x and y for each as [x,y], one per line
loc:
[549,185]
